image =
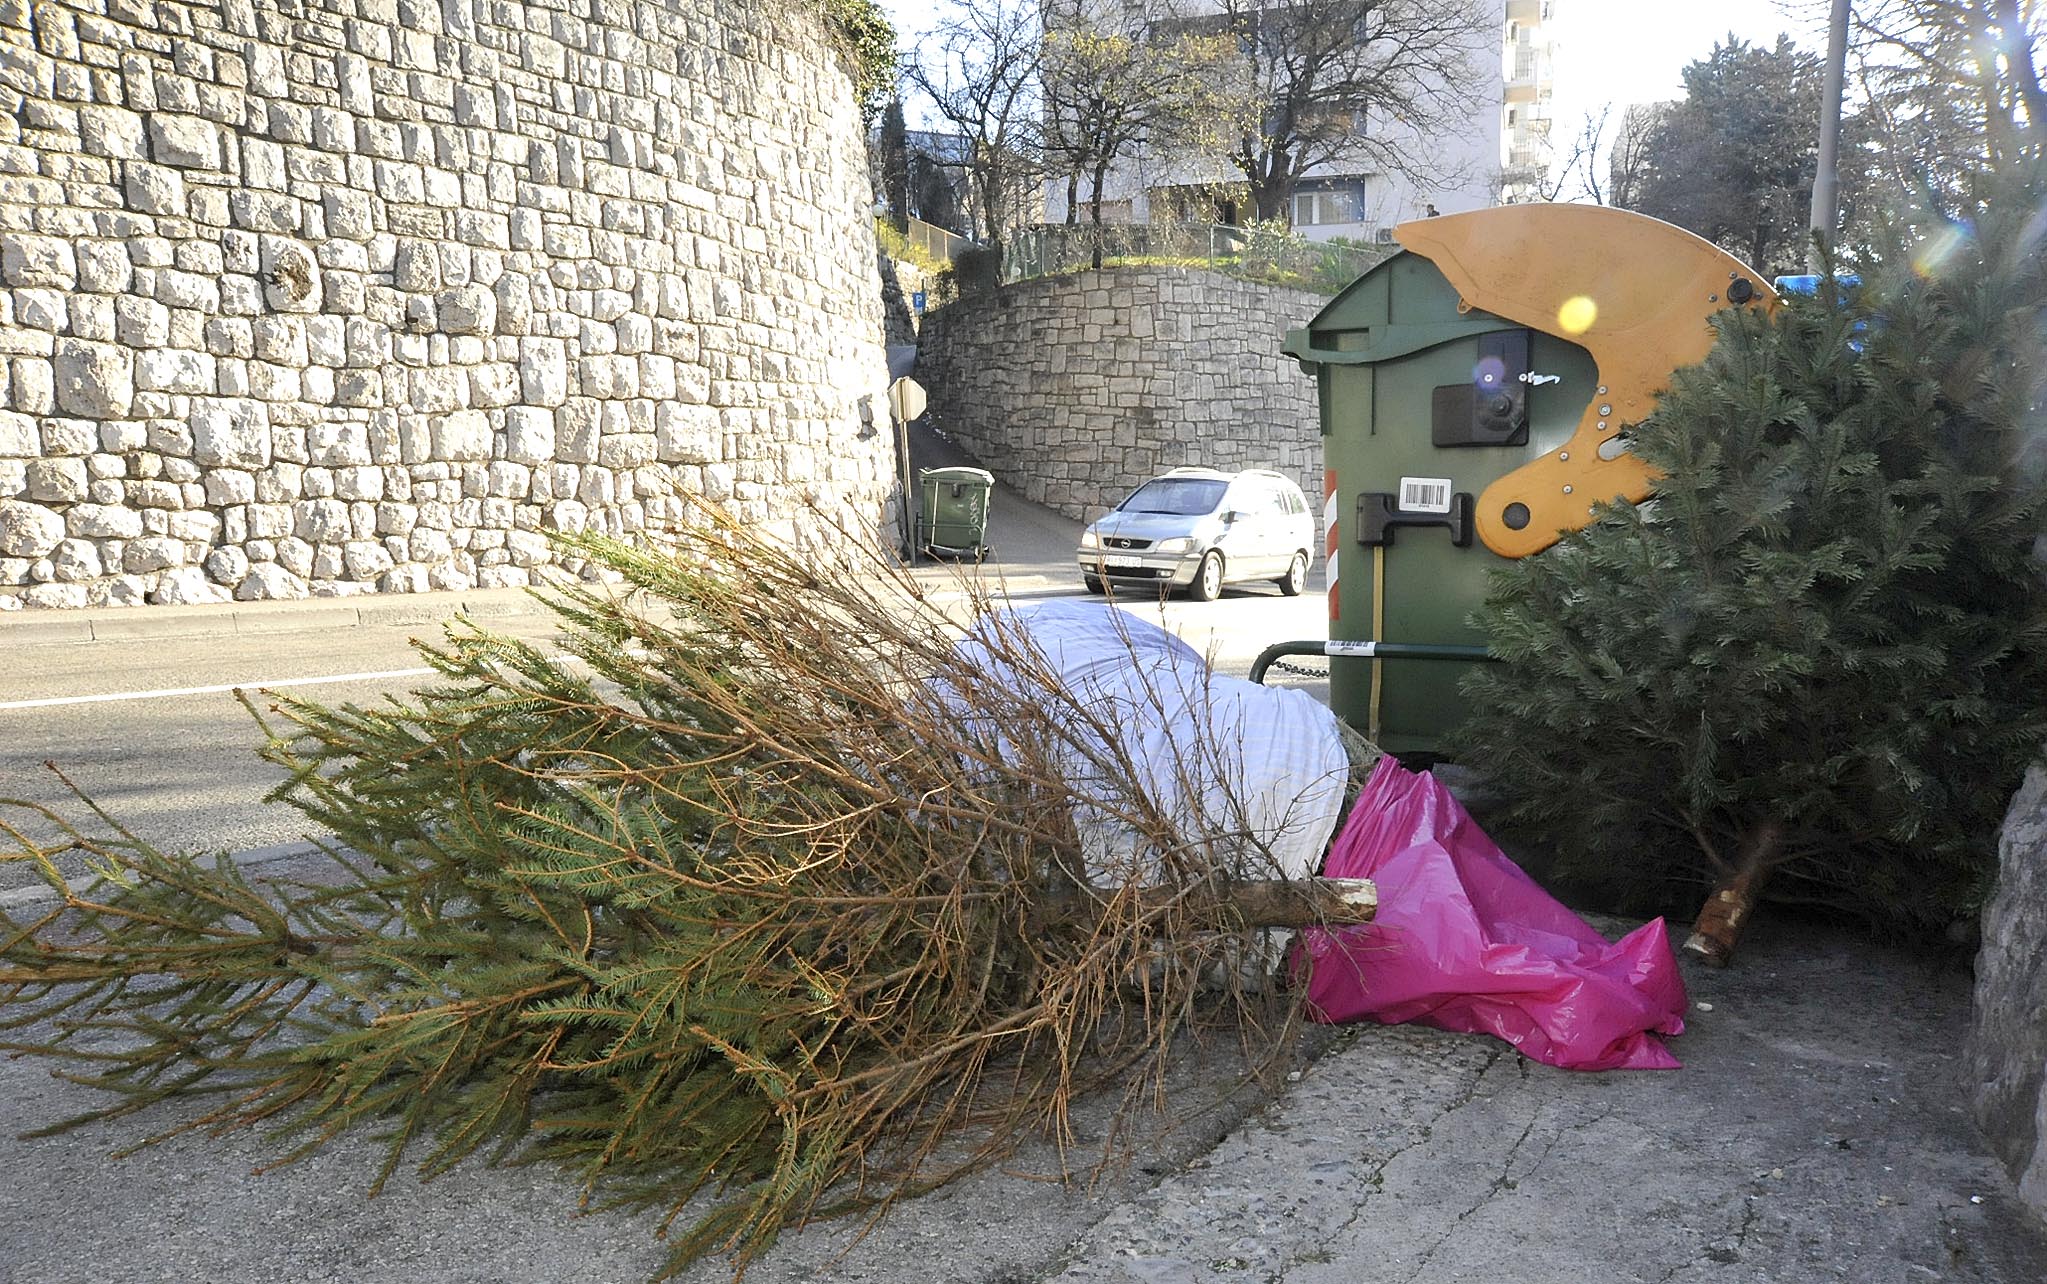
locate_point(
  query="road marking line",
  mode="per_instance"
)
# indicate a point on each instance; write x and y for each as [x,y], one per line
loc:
[558,660]
[168,692]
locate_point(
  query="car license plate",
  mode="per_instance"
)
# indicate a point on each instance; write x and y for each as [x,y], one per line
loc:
[1121,559]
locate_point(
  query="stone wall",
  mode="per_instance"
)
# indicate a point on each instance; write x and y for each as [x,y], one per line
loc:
[2008,1050]
[1073,389]
[330,296]
[900,283]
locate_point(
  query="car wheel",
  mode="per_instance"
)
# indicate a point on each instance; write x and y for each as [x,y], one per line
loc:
[1208,579]
[1296,577]
[1093,585]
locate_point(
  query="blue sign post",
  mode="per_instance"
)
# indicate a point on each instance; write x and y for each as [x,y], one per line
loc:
[917,301]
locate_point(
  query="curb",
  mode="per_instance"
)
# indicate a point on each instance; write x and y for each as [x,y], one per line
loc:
[250,619]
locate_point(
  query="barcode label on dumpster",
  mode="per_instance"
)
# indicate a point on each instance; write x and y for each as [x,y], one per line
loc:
[1425,494]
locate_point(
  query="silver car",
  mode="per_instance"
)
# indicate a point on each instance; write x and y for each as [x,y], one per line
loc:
[1198,529]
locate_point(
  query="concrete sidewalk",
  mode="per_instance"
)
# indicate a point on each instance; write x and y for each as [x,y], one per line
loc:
[1815,1134]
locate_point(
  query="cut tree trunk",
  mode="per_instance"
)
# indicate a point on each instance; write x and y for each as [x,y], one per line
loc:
[1275,902]
[1718,928]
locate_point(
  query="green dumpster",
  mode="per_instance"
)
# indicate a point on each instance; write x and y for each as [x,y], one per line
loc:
[952,511]
[1423,404]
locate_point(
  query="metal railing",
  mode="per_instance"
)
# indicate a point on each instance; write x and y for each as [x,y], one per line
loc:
[1259,252]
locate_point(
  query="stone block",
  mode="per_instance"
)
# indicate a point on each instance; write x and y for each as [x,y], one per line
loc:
[493,384]
[57,481]
[289,272]
[543,371]
[467,309]
[141,323]
[227,565]
[112,132]
[101,521]
[338,445]
[153,189]
[321,521]
[416,267]
[18,437]
[60,597]
[269,581]
[529,435]
[195,525]
[227,486]
[187,142]
[152,553]
[463,435]
[365,559]
[40,309]
[234,434]
[687,434]
[189,585]
[74,560]
[175,370]
[93,380]
[359,484]
[46,261]
[28,530]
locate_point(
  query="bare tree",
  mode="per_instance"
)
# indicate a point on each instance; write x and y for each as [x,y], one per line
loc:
[981,71]
[1628,161]
[1576,176]
[1348,82]
[1952,86]
[1115,88]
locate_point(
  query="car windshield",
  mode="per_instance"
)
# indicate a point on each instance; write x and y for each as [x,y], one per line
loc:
[1184,496]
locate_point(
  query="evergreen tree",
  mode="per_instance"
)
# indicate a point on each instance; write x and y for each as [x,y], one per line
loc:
[1734,159]
[770,906]
[895,165]
[1818,655]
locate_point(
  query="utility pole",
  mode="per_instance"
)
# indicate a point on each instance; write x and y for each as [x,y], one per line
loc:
[1826,202]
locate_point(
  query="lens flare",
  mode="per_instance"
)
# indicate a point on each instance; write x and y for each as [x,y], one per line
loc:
[1577,314]
[2034,237]
[1939,249]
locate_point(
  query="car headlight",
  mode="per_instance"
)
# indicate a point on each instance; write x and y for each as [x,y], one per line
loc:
[1178,544]
[1088,538]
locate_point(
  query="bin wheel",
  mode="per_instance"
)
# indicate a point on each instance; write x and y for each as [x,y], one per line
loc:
[1092,584]
[1208,579]
[1296,577]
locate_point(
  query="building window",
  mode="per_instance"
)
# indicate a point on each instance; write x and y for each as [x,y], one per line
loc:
[1334,204]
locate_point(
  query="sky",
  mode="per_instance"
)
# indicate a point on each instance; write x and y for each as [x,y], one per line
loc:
[1608,51]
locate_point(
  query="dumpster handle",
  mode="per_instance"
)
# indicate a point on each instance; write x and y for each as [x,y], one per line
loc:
[1365,650]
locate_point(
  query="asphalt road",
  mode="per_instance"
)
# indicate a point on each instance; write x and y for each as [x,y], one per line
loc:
[180,769]
[138,707]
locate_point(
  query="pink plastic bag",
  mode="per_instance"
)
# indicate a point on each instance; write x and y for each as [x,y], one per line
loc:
[1464,940]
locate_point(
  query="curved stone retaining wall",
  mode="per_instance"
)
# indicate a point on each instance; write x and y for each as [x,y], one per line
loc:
[329,296]
[1073,389]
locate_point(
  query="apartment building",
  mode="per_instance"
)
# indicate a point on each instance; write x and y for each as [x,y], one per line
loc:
[1493,148]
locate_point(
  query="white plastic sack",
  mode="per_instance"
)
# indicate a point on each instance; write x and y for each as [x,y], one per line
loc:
[1263,764]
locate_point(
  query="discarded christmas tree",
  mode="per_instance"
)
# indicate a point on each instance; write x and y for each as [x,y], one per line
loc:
[769,905]
[1817,658]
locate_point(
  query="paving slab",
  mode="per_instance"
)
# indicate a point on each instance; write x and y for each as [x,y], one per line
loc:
[1817,1132]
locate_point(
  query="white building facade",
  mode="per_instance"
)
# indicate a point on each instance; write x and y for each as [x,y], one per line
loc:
[1496,150]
